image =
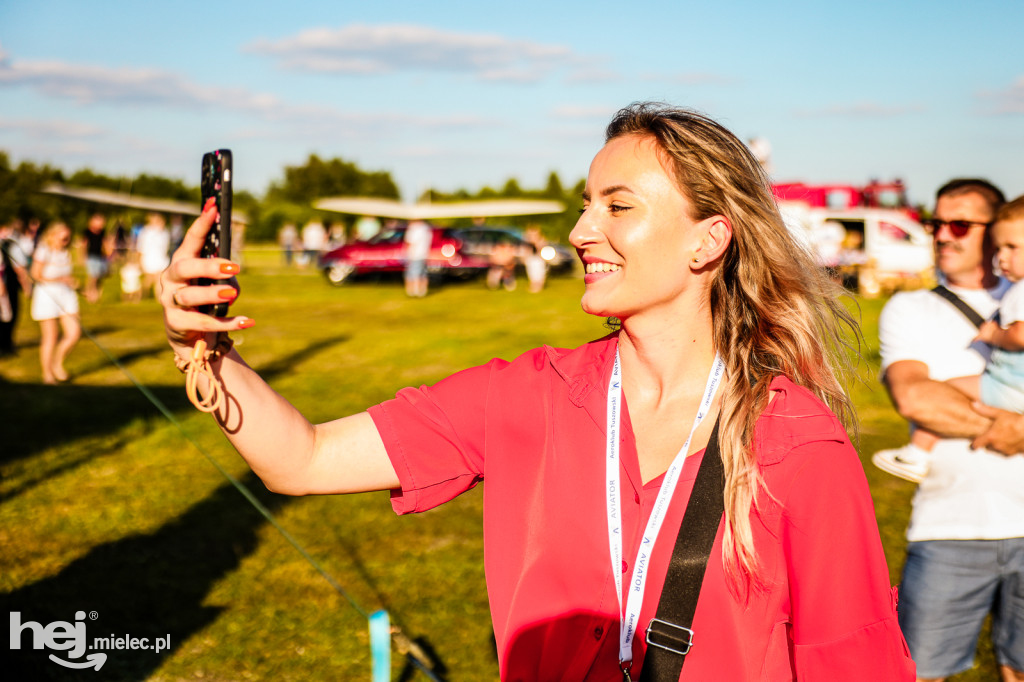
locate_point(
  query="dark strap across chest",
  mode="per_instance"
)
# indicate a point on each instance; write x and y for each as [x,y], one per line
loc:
[669,635]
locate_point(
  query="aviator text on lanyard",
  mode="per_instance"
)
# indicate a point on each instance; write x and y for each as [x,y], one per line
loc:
[628,619]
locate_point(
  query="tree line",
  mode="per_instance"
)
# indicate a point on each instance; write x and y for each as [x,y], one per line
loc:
[287,200]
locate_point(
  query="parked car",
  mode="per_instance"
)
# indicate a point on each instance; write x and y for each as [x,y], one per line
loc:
[480,241]
[454,253]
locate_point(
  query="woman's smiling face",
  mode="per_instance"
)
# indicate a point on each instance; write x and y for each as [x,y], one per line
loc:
[635,235]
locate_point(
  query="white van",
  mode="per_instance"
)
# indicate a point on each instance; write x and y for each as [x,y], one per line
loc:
[894,250]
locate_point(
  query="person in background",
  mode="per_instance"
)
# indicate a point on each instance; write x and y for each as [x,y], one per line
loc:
[418,238]
[153,244]
[97,250]
[131,279]
[55,301]
[12,276]
[965,550]
[335,236]
[27,240]
[122,241]
[314,240]
[287,238]
[536,266]
[177,231]
[1001,385]
[502,270]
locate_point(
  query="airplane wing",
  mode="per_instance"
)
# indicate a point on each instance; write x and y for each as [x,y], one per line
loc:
[388,208]
[109,198]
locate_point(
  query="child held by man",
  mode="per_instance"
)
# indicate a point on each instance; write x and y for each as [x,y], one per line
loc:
[1002,383]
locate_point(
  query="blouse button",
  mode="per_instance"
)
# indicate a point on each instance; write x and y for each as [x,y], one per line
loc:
[625,567]
[636,497]
[598,631]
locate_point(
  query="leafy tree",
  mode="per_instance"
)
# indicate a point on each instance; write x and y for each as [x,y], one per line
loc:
[318,179]
[156,186]
[86,177]
[512,190]
[20,191]
[554,188]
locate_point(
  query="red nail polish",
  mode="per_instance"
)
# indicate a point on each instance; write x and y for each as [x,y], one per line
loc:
[230,268]
[227,294]
[245,322]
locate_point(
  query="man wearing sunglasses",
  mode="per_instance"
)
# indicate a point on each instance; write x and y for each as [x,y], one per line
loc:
[965,552]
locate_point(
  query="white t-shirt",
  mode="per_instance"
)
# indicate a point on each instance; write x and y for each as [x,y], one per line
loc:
[967,495]
[418,237]
[154,246]
[1011,307]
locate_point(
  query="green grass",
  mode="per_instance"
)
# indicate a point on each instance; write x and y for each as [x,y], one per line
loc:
[107,505]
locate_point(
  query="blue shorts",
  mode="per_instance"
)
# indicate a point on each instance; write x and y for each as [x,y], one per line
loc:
[96,267]
[947,590]
[415,269]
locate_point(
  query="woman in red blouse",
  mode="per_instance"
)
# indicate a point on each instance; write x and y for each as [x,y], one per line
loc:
[587,454]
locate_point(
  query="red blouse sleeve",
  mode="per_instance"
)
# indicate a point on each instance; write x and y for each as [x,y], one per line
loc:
[843,609]
[434,436]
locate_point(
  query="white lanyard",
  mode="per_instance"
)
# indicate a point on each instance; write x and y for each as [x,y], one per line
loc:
[628,620]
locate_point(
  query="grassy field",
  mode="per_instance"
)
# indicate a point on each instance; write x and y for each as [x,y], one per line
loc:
[109,504]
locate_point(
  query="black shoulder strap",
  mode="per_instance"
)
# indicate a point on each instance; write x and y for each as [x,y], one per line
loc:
[969,312]
[669,636]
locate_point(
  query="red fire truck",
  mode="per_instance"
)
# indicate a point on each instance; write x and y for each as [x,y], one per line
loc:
[874,194]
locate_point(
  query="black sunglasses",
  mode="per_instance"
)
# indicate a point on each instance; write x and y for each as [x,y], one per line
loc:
[958,228]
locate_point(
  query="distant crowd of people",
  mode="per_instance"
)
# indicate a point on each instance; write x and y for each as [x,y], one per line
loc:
[36,263]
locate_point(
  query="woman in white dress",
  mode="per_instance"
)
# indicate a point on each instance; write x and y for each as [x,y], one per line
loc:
[55,301]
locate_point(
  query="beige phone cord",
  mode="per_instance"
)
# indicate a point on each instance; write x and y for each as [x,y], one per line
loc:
[199,365]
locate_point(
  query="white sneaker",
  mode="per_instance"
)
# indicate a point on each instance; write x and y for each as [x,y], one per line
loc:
[909,462]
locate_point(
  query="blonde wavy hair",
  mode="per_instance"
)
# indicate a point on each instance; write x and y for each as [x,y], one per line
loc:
[774,311]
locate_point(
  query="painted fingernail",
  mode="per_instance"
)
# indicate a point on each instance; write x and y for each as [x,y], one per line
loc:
[245,322]
[210,203]
[227,294]
[230,268]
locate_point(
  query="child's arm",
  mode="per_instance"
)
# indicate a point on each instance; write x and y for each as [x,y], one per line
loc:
[1011,338]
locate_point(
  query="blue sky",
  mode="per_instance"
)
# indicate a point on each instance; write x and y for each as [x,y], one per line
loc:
[467,94]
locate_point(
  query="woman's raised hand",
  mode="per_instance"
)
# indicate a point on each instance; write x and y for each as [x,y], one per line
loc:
[180,297]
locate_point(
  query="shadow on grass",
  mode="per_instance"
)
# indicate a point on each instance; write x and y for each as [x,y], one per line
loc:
[124,359]
[438,670]
[143,586]
[37,416]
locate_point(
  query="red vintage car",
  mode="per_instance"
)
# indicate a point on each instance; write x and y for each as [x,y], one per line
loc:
[454,253]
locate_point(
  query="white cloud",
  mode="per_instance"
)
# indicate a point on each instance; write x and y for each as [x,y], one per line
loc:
[1009,100]
[861,110]
[50,130]
[387,48]
[90,85]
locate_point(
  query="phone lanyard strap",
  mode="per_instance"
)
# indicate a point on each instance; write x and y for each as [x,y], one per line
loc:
[628,619]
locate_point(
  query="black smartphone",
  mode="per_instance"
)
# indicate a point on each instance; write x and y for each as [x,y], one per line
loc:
[216,182]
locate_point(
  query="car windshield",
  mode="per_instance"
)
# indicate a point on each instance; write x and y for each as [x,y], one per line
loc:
[388,236]
[488,235]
